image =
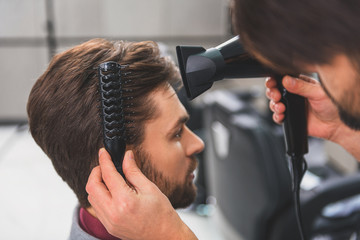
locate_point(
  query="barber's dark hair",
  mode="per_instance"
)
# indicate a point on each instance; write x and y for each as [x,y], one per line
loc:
[289,33]
[63,104]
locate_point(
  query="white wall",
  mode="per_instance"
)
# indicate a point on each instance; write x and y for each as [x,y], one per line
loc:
[23,47]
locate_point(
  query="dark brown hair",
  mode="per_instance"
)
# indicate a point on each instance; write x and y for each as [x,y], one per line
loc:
[63,104]
[289,33]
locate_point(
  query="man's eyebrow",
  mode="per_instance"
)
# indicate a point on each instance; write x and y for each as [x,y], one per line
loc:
[180,121]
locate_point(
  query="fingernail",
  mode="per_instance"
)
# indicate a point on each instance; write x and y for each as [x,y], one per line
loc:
[101,151]
[271,95]
[276,107]
[290,81]
[130,155]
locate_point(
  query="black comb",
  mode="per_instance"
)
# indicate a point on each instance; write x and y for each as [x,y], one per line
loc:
[112,111]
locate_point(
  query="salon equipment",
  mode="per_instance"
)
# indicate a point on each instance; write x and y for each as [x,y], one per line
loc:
[113,110]
[247,174]
[199,69]
[246,167]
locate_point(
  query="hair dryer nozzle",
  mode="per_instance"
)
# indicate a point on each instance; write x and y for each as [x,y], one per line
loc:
[199,68]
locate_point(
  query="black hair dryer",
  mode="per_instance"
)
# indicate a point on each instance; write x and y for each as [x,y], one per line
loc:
[199,69]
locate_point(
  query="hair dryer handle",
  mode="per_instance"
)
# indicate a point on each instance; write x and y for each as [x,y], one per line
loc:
[295,122]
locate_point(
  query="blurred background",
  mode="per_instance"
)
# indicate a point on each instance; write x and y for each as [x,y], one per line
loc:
[245,150]
[32,31]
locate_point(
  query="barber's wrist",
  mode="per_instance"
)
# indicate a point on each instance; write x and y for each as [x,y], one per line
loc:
[183,233]
[176,229]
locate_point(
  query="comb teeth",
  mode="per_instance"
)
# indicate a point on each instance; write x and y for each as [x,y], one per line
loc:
[111,100]
[112,111]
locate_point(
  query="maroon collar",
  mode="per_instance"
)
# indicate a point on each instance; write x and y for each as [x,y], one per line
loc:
[93,226]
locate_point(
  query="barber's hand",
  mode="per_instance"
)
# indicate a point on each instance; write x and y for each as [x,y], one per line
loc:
[142,212]
[323,117]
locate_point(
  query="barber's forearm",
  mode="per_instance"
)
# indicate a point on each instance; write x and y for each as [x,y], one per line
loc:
[174,228]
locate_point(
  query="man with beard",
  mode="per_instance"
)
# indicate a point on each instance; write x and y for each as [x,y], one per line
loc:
[64,120]
[291,37]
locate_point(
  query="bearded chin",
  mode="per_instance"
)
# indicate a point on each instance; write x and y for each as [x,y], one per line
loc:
[346,117]
[180,195]
[350,120]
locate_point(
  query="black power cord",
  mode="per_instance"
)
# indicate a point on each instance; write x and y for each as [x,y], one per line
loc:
[299,167]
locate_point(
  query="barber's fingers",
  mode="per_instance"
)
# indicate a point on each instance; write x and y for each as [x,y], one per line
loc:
[303,86]
[99,198]
[272,92]
[133,174]
[111,177]
[270,82]
[277,107]
[278,117]
[96,189]
[95,184]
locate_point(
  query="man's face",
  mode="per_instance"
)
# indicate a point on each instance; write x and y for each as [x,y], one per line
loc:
[166,155]
[341,81]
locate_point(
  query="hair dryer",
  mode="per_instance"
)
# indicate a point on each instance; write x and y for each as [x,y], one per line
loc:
[199,69]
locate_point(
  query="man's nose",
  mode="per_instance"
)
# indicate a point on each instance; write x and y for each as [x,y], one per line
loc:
[195,144]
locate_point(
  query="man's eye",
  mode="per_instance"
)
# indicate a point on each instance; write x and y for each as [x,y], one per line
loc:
[179,133]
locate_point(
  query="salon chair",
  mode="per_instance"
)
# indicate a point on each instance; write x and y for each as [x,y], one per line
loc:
[248,174]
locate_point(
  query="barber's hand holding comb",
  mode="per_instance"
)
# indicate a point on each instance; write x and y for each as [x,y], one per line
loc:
[142,212]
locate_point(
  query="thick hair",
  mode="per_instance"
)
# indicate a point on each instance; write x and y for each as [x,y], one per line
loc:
[63,104]
[291,33]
